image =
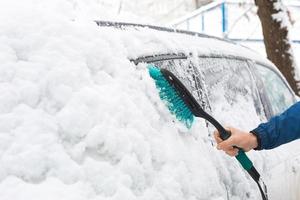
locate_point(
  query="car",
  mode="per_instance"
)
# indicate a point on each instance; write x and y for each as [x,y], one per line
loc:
[233,83]
[80,117]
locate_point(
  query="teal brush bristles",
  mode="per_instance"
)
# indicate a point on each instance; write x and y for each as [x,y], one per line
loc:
[169,95]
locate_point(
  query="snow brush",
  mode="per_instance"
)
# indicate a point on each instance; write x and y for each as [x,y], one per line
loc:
[185,107]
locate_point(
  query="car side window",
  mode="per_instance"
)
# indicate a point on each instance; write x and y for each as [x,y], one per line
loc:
[185,71]
[231,92]
[278,93]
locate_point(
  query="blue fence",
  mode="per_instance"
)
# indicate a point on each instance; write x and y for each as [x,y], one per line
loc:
[220,19]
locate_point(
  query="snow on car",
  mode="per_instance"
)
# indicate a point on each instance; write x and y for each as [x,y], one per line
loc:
[80,118]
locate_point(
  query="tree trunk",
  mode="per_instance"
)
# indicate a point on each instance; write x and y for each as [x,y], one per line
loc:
[273,18]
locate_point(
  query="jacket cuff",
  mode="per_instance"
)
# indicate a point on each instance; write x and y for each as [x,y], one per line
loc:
[260,137]
[258,140]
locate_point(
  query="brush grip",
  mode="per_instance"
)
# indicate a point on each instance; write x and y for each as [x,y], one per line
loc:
[244,160]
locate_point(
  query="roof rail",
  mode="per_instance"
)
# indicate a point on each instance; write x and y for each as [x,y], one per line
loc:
[122,25]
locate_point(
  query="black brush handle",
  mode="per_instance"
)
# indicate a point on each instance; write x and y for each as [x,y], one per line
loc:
[196,109]
[223,133]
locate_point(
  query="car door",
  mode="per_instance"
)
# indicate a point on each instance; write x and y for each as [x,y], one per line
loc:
[225,88]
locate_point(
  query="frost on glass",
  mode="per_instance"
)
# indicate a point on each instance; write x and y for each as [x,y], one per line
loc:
[279,95]
[231,92]
[187,73]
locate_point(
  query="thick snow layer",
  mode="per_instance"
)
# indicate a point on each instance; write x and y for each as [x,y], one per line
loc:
[79,121]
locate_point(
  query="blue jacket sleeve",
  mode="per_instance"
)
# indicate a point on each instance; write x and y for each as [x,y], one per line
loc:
[280,129]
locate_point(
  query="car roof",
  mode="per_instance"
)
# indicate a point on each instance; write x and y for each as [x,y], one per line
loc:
[207,45]
[176,43]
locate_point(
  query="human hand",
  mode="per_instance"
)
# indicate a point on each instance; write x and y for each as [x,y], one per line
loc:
[238,138]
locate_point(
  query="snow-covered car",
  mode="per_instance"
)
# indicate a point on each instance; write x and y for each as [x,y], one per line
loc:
[231,82]
[80,117]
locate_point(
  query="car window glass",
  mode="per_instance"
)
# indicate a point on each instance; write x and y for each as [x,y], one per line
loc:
[185,70]
[231,92]
[278,93]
